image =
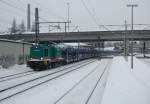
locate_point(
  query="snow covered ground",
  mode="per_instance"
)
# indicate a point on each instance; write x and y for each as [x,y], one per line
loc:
[119,84]
[14,70]
[52,91]
[126,85]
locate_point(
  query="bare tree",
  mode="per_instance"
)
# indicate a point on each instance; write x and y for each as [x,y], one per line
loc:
[14,26]
[33,27]
[21,27]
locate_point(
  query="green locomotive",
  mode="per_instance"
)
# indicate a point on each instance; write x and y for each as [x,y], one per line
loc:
[45,55]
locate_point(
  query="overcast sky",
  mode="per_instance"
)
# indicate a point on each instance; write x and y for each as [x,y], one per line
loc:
[87,14]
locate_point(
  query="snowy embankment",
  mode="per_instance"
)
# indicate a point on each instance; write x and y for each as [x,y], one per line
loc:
[14,70]
[126,85]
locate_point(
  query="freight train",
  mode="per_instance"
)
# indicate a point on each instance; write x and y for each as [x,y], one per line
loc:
[45,55]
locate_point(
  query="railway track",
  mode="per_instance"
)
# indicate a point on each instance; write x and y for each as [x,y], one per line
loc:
[27,85]
[22,74]
[18,75]
[14,75]
[80,81]
[98,81]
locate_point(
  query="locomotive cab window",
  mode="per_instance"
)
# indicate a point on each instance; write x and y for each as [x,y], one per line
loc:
[45,52]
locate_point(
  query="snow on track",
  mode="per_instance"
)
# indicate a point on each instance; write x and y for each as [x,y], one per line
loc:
[81,93]
[16,76]
[97,96]
[5,93]
[49,92]
[14,82]
[9,92]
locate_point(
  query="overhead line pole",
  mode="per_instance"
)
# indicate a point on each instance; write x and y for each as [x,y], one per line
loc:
[125,41]
[68,4]
[36,25]
[28,18]
[132,6]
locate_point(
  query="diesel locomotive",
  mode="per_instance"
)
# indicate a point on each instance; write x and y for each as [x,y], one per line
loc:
[45,55]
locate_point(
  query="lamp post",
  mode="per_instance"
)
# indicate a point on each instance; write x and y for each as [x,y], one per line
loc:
[132,6]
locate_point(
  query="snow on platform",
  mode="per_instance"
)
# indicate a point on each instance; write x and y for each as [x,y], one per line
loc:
[126,85]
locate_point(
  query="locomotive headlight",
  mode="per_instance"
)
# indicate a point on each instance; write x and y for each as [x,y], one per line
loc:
[41,58]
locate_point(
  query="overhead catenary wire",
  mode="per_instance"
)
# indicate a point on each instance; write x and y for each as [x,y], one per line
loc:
[93,9]
[47,10]
[14,11]
[122,26]
[93,17]
[17,8]
[94,12]
[21,10]
[18,11]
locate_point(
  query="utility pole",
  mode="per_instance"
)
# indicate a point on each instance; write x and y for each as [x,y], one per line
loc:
[144,48]
[28,18]
[36,25]
[78,50]
[65,27]
[68,4]
[99,47]
[125,41]
[132,6]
